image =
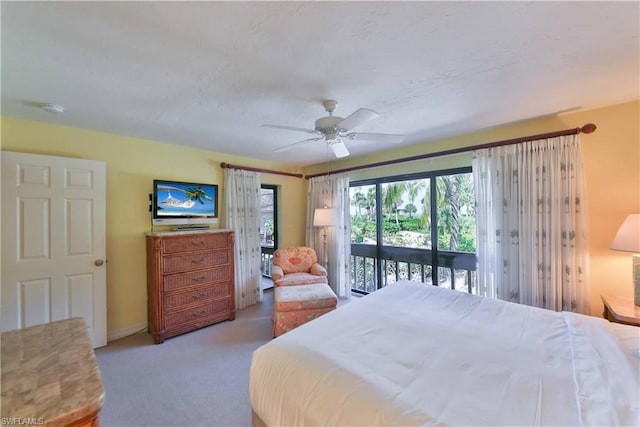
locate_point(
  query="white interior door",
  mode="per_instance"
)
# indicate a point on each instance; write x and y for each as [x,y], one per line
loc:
[53,242]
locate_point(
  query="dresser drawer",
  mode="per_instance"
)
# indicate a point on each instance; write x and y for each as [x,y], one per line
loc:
[212,275]
[196,242]
[194,261]
[195,324]
[197,313]
[195,296]
[189,262]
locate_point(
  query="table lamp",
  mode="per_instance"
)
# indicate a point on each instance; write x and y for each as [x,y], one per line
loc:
[325,217]
[628,239]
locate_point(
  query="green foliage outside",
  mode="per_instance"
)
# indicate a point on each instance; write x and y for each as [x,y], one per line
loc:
[268,227]
[406,220]
[466,236]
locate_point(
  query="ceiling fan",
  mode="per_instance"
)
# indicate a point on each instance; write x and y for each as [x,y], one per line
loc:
[335,130]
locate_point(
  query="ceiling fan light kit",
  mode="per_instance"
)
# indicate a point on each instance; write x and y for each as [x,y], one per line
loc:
[338,148]
[334,129]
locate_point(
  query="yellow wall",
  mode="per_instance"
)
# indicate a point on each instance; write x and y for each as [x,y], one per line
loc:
[612,163]
[131,165]
[612,160]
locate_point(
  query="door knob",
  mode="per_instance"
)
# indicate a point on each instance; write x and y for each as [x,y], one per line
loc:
[98,262]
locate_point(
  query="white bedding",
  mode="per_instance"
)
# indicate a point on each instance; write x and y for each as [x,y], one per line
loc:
[413,354]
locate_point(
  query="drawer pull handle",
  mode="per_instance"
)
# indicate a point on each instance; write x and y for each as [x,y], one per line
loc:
[198,279]
[200,314]
[200,243]
[198,261]
[201,295]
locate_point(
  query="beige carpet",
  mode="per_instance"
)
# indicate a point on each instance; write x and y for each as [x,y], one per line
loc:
[196,379]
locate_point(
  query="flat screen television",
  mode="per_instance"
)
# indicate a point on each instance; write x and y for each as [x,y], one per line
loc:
[184,203]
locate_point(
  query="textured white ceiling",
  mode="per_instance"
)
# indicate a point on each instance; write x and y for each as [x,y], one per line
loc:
[209,74]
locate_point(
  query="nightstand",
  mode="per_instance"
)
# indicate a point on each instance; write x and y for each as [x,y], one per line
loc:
[620,310]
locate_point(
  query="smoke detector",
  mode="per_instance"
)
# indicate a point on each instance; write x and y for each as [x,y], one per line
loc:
[52,108]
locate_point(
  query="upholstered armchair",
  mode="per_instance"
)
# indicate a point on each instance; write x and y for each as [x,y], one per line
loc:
[297,265]
[310,298]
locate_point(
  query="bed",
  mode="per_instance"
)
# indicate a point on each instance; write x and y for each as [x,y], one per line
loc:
[412,354]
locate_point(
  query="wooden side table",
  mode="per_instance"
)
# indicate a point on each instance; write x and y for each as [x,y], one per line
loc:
[620,310]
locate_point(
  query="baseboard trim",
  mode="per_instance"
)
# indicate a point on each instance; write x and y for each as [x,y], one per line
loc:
[116,334]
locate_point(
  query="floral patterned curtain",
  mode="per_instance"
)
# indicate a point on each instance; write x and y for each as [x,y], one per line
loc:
[332,191]
[241,207]
[532,225]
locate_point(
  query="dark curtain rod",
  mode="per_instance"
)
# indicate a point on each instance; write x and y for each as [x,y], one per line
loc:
[588,128]
[246,168]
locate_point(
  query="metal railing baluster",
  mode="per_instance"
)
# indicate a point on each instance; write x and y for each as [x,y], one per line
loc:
[364,268]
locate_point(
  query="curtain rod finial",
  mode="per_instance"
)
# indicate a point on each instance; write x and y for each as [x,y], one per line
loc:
[588,128]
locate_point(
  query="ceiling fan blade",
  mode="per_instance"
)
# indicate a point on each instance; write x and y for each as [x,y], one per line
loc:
[338,148]
[290,128]
[287,147]
[386,138]
[357,118]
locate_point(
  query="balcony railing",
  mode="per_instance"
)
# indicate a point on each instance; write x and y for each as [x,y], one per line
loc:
[398,263]
[266,264]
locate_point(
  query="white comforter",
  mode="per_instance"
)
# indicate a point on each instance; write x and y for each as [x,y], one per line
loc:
[412,354]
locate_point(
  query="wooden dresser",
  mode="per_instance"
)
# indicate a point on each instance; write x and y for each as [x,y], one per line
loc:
[189,281]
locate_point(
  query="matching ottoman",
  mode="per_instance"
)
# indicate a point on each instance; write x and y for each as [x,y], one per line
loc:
[296,305]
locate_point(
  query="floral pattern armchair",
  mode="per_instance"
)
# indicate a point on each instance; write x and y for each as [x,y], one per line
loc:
[297,265]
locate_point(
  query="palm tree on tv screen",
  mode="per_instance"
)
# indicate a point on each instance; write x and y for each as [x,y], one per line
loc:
[196,194]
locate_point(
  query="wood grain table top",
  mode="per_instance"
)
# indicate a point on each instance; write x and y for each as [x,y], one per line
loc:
[622,309]
[49,374]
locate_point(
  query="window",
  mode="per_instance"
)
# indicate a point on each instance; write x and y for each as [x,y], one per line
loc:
[419,227]
[405,213]
[455,213]
[363,214]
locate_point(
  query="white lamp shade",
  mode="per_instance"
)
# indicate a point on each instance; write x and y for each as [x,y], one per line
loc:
[325,217]
[628,235]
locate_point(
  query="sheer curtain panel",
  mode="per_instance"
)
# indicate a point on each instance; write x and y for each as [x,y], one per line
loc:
[332,191]
[531,224]
[241,207]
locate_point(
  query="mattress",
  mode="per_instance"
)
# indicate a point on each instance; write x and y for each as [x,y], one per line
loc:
[414,354]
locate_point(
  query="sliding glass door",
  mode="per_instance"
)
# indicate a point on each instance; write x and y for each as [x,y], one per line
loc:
[268,226]
[419,227]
